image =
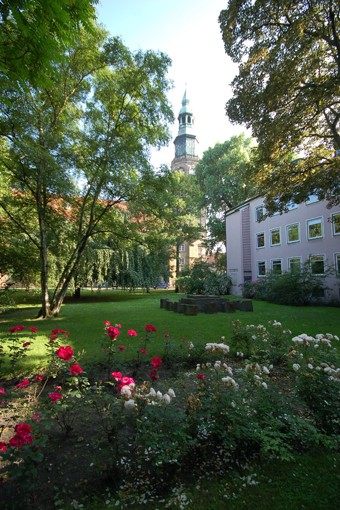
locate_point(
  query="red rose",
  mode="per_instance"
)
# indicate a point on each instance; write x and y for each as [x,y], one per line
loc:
[3,446]
[33,329]
[65,352]
[113,332]
[200,376]
[26,344]
[156,362]
[143,350]
[149,328]
[132,332]
[23,428]
[13,329]
[117,375]
[54,396]
[121,347]
[153,374]
[23,384]
[75,369]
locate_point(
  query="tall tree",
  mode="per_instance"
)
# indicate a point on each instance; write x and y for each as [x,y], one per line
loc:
[223,177]
[288,91]
[34,33]
[78,146]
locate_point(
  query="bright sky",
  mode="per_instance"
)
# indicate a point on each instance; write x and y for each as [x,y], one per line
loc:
[188,31]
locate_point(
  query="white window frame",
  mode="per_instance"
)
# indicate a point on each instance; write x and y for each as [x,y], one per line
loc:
[333,224]
[271,236]
[272,265]
[290,264]
[291,206]
[287,229]
[265,268]
[257,220]
[181,247]
[320,255]
[337,264]
[257,239]
[181,261]
[312,199]
[315,221]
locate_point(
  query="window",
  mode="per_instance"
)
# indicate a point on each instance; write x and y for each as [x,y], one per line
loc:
[181,247]
[259,213]
[291,205]
[260,240]
[293,233]
[261,268]
[337,264]
[312,199]
[336,224]
[181,261]
[277,266]
[314,228]
[294,263]
[275,236]
[317,264]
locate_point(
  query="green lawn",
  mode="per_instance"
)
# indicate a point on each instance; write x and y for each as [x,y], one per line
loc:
[85,321]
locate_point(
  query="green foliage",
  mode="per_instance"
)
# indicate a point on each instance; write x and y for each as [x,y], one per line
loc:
[204,278]
[296,287]
[223,177]
[81,148]
[287,91]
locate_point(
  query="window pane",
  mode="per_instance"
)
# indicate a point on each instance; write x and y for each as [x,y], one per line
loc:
[259,213]
[293,233]
[336,223]
[314,228]
[276,266]
[317,264]
[294,264]
[275,236]
[260,240]
[261,268]
[337,263]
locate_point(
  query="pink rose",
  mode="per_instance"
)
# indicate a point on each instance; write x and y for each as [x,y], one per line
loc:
[121,347]
[132,332]
[117,376]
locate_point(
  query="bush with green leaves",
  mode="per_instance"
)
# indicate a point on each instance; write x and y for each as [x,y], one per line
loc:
[295,287]
[204,278]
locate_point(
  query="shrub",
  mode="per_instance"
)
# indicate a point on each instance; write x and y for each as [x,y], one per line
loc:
[204,278]
[296,287]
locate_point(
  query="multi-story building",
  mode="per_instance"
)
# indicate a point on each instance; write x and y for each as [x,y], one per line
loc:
[307,232]
[185,160]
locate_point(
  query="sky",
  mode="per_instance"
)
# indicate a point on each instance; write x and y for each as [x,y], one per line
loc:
[189,33]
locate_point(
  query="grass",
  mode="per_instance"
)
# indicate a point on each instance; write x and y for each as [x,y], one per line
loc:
[85,318]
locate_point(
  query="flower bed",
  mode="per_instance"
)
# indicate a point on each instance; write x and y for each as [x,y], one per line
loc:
[139,429]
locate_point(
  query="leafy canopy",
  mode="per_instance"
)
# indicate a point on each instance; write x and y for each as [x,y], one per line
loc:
[288,91]
[223,178]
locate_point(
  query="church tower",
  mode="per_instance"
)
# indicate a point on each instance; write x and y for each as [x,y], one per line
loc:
[185,142]
[185,160]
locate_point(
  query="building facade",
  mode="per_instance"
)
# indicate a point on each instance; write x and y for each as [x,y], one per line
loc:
[307,232]
[185,160]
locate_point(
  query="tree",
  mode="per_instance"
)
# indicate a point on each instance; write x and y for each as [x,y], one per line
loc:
[77,147]
[34,34]
[172,207]
[223,177]
[288,91]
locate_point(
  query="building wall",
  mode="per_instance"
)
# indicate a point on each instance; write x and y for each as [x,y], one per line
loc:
[273,243]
